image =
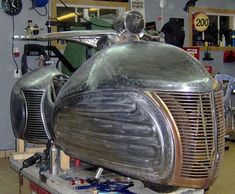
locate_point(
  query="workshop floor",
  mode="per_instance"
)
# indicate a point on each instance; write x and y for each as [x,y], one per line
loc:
[9,183]
[225,183]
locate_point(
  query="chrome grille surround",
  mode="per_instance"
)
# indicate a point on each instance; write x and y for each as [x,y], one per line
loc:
[35,125]
[200,121]
[219,110]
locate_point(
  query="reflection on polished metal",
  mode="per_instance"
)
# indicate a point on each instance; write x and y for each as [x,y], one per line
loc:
[143,109]
[129,26]
[86,37]
[231,83]
[132,22]
[32,101]
[146,110]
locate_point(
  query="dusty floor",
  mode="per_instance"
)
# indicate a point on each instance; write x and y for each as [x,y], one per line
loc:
[9,183]
[225,183]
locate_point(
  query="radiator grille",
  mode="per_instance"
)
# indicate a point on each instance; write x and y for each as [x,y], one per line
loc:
[35,131]
[193,114]
[219,105]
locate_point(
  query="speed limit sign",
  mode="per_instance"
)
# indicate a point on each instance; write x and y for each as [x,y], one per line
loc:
[201,22]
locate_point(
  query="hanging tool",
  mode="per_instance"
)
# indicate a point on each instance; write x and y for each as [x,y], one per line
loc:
[41,159]
[31,160]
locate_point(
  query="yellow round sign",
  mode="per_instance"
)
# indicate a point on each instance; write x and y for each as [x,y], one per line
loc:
[201,22]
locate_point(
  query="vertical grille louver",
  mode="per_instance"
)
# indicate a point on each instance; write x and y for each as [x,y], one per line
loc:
[35,130]
[219,106]
[193,114]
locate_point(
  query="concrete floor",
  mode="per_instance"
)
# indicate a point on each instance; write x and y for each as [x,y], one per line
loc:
[9,183]
[225,183]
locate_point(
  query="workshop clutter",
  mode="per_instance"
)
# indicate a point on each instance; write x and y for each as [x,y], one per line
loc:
[75,162]
[103,185]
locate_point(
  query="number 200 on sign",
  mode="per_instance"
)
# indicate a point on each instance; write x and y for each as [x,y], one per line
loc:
[201,22]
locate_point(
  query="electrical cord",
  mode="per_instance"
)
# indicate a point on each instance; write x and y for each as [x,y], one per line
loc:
[34,8]
[57,63]
[20,179]
[13,44]
[41,157]
[44,14]
[71,10]
[20,183]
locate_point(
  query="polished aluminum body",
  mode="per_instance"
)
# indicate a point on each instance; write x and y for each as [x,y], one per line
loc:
[32,101]
[132,22]
[147,65]
[146,110]
[231,83]
[87,37]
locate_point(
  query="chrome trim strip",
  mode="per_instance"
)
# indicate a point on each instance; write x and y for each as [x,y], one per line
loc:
[26,114]
[43,114]
[215,151]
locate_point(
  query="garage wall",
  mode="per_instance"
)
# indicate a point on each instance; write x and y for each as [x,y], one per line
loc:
[7,65]
[174,8]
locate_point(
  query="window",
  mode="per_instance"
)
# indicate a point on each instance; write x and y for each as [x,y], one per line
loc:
[61,11]
[221,25]
[87,12]
[88,8]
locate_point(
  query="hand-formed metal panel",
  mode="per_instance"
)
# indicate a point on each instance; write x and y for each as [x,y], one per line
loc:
[39,78]
[144,109]
[122,130]
[32,104]
[148,65]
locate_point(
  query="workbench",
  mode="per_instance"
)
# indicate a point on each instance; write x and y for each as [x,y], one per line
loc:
[58,185]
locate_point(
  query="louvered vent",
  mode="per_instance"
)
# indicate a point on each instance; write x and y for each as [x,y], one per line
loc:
[35,130]
[219,105]
[193,114]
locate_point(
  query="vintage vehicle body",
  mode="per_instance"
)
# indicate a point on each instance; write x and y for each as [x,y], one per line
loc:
[32,102]
[144,109]
[147,110]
